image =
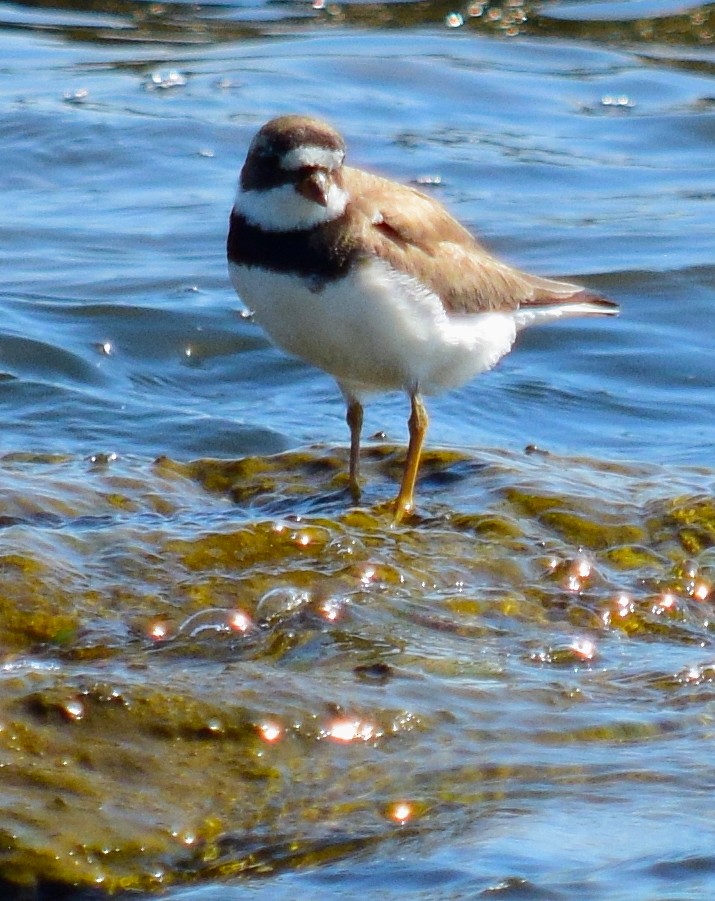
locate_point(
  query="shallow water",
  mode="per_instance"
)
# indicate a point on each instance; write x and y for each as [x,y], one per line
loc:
[530,662]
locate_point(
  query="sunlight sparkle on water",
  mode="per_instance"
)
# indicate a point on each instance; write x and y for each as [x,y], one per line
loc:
[73,710]
[239,621]
[701,591]
[347,730]
[270,731]
[400,812]
[158,630]
[368,573]
[103,459]
[187,838]
[620,607]
[693,674]
[667,601]
[579,572]
[584,648]
[624,605]
[330,610]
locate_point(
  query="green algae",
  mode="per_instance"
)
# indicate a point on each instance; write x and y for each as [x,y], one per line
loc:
[694,521]
[630,557]
[579,527]
[219,668]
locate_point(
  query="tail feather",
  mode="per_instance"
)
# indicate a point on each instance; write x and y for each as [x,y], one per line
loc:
[557,300]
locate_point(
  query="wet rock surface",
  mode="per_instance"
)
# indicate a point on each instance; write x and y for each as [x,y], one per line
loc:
[218,668]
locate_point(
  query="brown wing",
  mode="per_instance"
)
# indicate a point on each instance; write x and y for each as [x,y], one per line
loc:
[416,235]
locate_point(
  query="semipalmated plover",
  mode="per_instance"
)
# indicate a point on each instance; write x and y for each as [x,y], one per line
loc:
[373,281]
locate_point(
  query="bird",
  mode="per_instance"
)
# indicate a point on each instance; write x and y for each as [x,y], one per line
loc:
[375,282]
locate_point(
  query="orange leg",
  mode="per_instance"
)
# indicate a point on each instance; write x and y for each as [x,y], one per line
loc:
[418,422]
[354,420]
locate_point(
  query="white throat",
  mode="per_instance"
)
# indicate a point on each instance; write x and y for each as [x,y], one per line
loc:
[284,209]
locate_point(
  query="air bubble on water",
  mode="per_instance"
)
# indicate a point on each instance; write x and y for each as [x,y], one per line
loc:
[215,620]
[278,602]
[454,20]
[619,101]
[161,80]
[79,96]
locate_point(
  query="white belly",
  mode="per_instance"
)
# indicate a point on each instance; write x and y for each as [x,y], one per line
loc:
[374,330]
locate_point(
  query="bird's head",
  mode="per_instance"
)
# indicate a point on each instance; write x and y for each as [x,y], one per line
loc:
[292,175]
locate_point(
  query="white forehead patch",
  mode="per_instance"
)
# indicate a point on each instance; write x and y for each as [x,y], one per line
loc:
[312,155]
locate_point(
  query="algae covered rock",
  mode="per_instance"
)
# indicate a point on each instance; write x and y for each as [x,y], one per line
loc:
[220,668]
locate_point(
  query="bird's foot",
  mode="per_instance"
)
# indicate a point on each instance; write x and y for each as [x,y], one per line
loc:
[401,510]
[355,490]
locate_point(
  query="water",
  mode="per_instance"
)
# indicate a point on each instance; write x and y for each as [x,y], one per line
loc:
[576,140]
[117,205]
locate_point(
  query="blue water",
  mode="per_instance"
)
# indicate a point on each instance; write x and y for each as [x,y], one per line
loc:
[116,208]
[570,152]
